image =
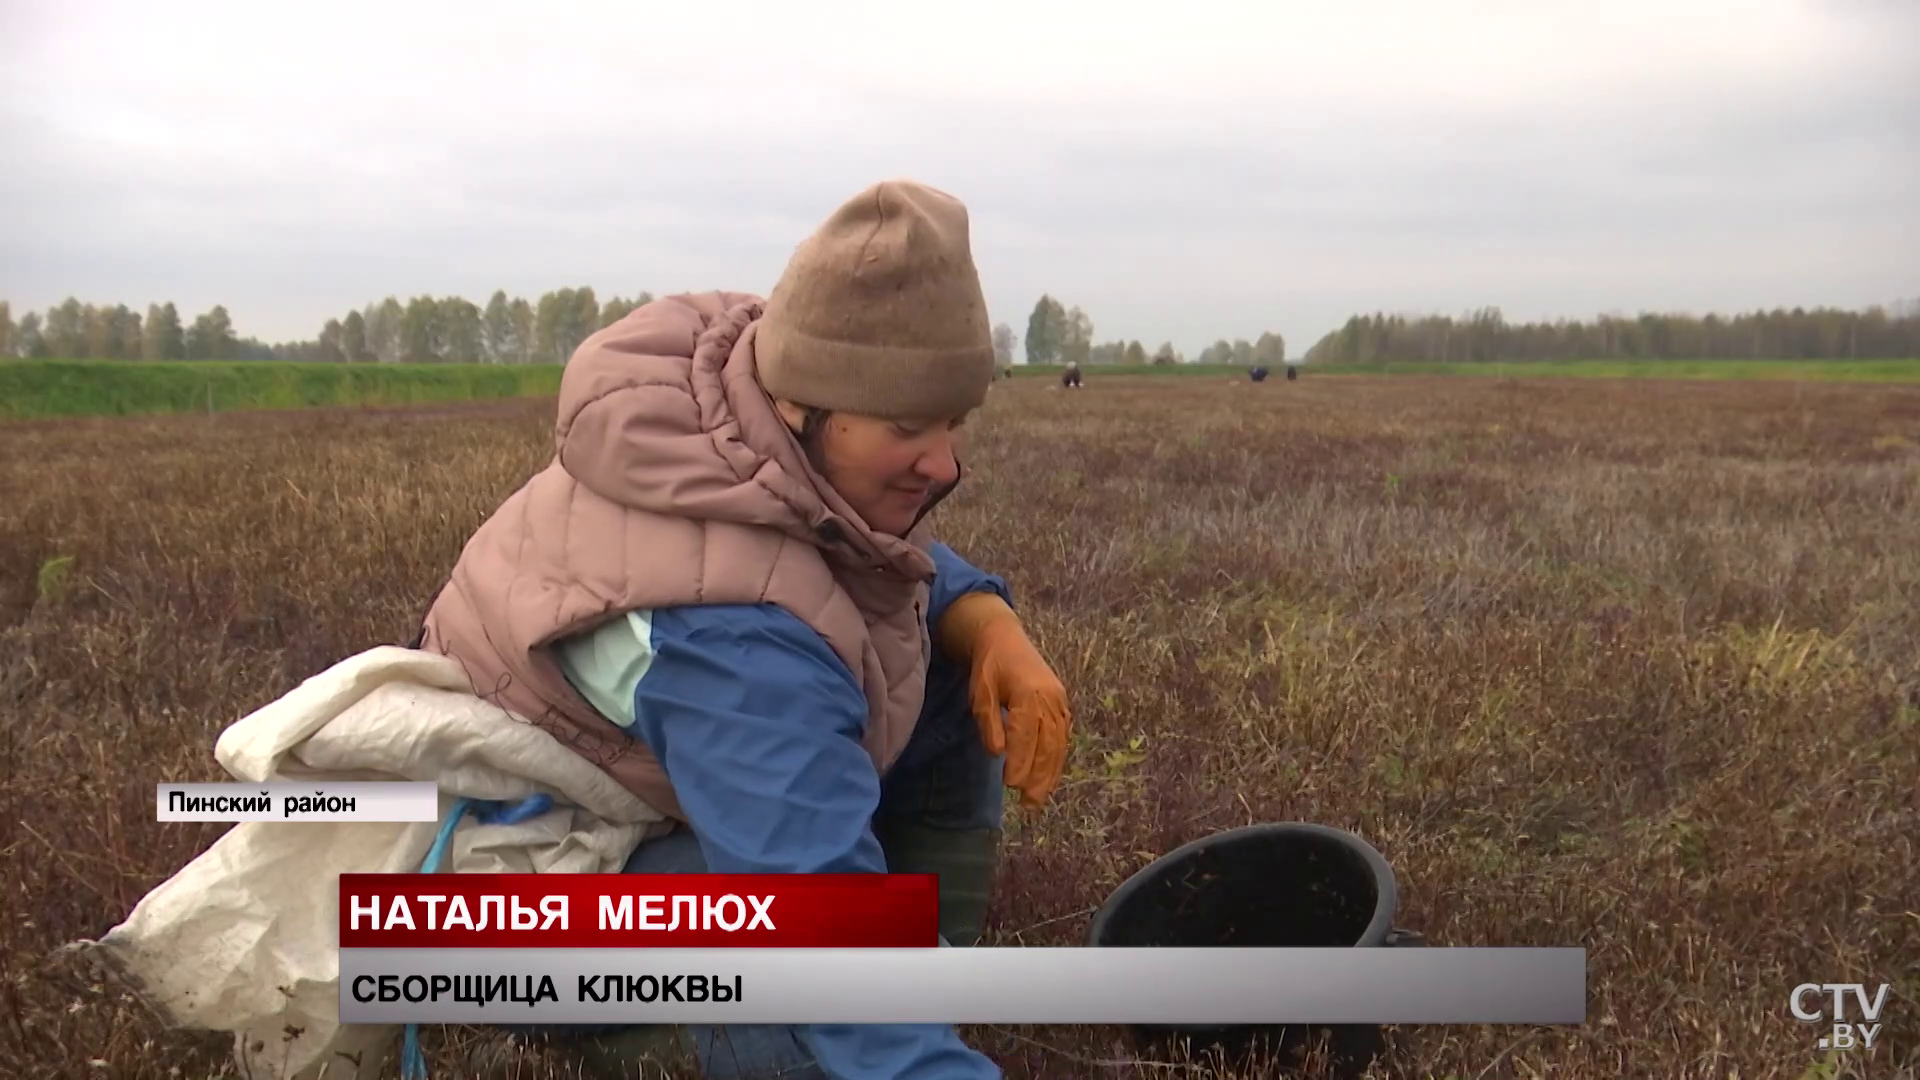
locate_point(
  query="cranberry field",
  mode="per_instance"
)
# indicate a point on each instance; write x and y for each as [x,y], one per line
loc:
[1631,665]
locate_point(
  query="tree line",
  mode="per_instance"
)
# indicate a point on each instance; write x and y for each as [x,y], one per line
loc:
[452,329]
[1821,333]
[507,330]
[72,330]
[1057,334]
[513,330]
[425,329]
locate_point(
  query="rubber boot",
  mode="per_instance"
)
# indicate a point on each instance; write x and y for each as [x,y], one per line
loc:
[590,1051]
[636,1053]
[683,1051]
[964,859]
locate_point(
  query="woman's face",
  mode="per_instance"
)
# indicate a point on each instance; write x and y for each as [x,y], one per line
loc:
[887,470]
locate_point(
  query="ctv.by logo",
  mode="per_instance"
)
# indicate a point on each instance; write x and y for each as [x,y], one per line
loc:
[1845,1035]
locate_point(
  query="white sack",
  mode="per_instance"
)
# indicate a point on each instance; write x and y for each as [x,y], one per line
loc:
[245,937]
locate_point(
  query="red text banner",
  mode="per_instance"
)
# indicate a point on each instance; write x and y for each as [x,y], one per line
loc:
[673,911]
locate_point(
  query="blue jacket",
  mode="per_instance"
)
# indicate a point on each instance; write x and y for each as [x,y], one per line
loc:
[758,723]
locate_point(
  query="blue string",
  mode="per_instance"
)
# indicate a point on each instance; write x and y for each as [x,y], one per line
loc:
[413,1062]
[496,812]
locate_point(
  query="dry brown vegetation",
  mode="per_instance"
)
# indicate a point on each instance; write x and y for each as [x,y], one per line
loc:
[1626,665]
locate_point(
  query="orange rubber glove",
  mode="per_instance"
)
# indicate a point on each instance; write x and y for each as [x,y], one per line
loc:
[981,631]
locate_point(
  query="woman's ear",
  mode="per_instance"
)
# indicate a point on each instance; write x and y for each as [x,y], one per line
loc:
[794,415]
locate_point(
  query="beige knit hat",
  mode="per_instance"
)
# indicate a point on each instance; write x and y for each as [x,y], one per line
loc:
[880,311]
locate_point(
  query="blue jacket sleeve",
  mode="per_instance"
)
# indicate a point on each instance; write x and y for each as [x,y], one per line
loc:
[758,724]
[954,577]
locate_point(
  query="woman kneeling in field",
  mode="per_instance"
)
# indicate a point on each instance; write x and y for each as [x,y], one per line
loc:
[722,592]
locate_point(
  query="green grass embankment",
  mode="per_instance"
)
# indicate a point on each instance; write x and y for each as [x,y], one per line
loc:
[38,388]
[1788,370]
[41,388]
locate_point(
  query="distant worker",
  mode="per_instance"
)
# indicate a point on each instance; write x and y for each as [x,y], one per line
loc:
[1293,372]
[1258,374]
[1071,377]
[722,589]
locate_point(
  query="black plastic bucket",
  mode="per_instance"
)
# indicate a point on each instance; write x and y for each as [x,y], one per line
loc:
[1285,885]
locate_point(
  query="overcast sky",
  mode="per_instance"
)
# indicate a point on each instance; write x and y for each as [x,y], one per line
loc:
[1187,170]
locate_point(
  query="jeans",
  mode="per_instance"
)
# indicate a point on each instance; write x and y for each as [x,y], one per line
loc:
[944,782]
